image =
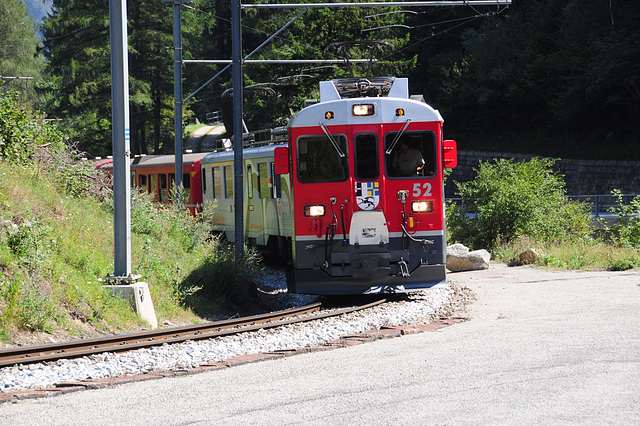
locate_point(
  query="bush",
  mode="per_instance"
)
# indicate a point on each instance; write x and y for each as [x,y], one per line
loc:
[510,200]
[222,279]
[25,305]
[626,232]
[23,132]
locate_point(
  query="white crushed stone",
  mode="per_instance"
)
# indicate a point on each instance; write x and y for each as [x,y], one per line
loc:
[417,308]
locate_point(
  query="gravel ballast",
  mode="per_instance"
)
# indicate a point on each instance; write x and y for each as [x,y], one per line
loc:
[416,308]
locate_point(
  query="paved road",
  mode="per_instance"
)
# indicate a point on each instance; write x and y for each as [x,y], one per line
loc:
[541,348]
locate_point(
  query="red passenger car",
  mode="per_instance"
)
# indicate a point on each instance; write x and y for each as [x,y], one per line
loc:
[156,174]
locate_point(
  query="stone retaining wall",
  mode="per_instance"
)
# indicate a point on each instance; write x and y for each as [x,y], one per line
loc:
[582,177]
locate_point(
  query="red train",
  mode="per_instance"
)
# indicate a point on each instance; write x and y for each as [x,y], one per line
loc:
[355,198]
[351,192]
[156,175]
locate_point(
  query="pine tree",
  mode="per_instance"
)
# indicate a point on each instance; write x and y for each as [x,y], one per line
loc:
[18,48]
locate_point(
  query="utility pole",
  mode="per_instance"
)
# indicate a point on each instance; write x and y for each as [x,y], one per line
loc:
[121,139]
[236,58]
[136,292]
[177,94]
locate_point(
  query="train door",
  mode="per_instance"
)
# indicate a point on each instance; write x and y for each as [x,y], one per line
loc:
[368,222]
[253,217]
[225,215]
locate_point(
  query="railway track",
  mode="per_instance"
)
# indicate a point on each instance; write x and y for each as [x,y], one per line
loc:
[126,342]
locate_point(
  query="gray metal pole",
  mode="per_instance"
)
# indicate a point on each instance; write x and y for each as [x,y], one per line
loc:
[236,57]
[177,90]
[121,138]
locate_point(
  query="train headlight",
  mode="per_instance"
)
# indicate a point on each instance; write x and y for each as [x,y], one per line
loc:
[422,206]
[360,110]
[314,211]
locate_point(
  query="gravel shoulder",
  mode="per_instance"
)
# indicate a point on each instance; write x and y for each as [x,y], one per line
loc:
[540,346]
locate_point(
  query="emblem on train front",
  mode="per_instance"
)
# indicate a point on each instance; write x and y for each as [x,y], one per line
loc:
[367,195]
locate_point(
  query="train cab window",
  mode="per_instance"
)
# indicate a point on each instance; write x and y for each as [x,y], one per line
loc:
[366,157]
[162,185]
[322,159]
[228,182]
[217,183]
[142,183]
[153,186]
[263,180]
[276,189]
[410,154]
[249,181]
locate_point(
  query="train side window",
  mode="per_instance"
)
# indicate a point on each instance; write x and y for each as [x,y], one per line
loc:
[366,157]
[228,182]
[142,183]
[186,183]
[153,186]
[162,185]
[249,181]
[172,185]
[204,180]
[263,180]
[414,154]
[217,183]
[276,189]
[320,160]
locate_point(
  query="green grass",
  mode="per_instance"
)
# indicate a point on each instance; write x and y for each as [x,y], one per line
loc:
[582,254]
[57,248]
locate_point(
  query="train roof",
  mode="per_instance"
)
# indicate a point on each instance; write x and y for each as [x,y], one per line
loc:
[248,153]
[386,93]
[163,160]
[155,160]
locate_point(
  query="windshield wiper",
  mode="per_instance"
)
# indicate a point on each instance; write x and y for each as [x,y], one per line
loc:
[333,141]
[397,138]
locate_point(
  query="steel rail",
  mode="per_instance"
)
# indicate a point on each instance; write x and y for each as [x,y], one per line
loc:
[125,342]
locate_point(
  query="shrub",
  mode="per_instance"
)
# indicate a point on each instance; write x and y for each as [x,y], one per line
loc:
[512,199]
[22,131]
[221,278]
[626,231]
[25,305]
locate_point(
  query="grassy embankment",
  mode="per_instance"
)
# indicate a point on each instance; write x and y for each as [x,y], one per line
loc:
[56,249]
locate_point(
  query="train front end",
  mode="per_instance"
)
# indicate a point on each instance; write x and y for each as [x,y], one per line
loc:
[366,165]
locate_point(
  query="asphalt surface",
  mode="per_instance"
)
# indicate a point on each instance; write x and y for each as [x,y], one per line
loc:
[540,347]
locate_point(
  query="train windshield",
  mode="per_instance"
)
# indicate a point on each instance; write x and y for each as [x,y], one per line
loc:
[412,155]
[322,159]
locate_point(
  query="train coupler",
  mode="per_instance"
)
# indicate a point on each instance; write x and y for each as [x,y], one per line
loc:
[403,269]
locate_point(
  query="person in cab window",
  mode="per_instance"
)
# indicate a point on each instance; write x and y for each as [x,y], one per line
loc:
[408,161]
